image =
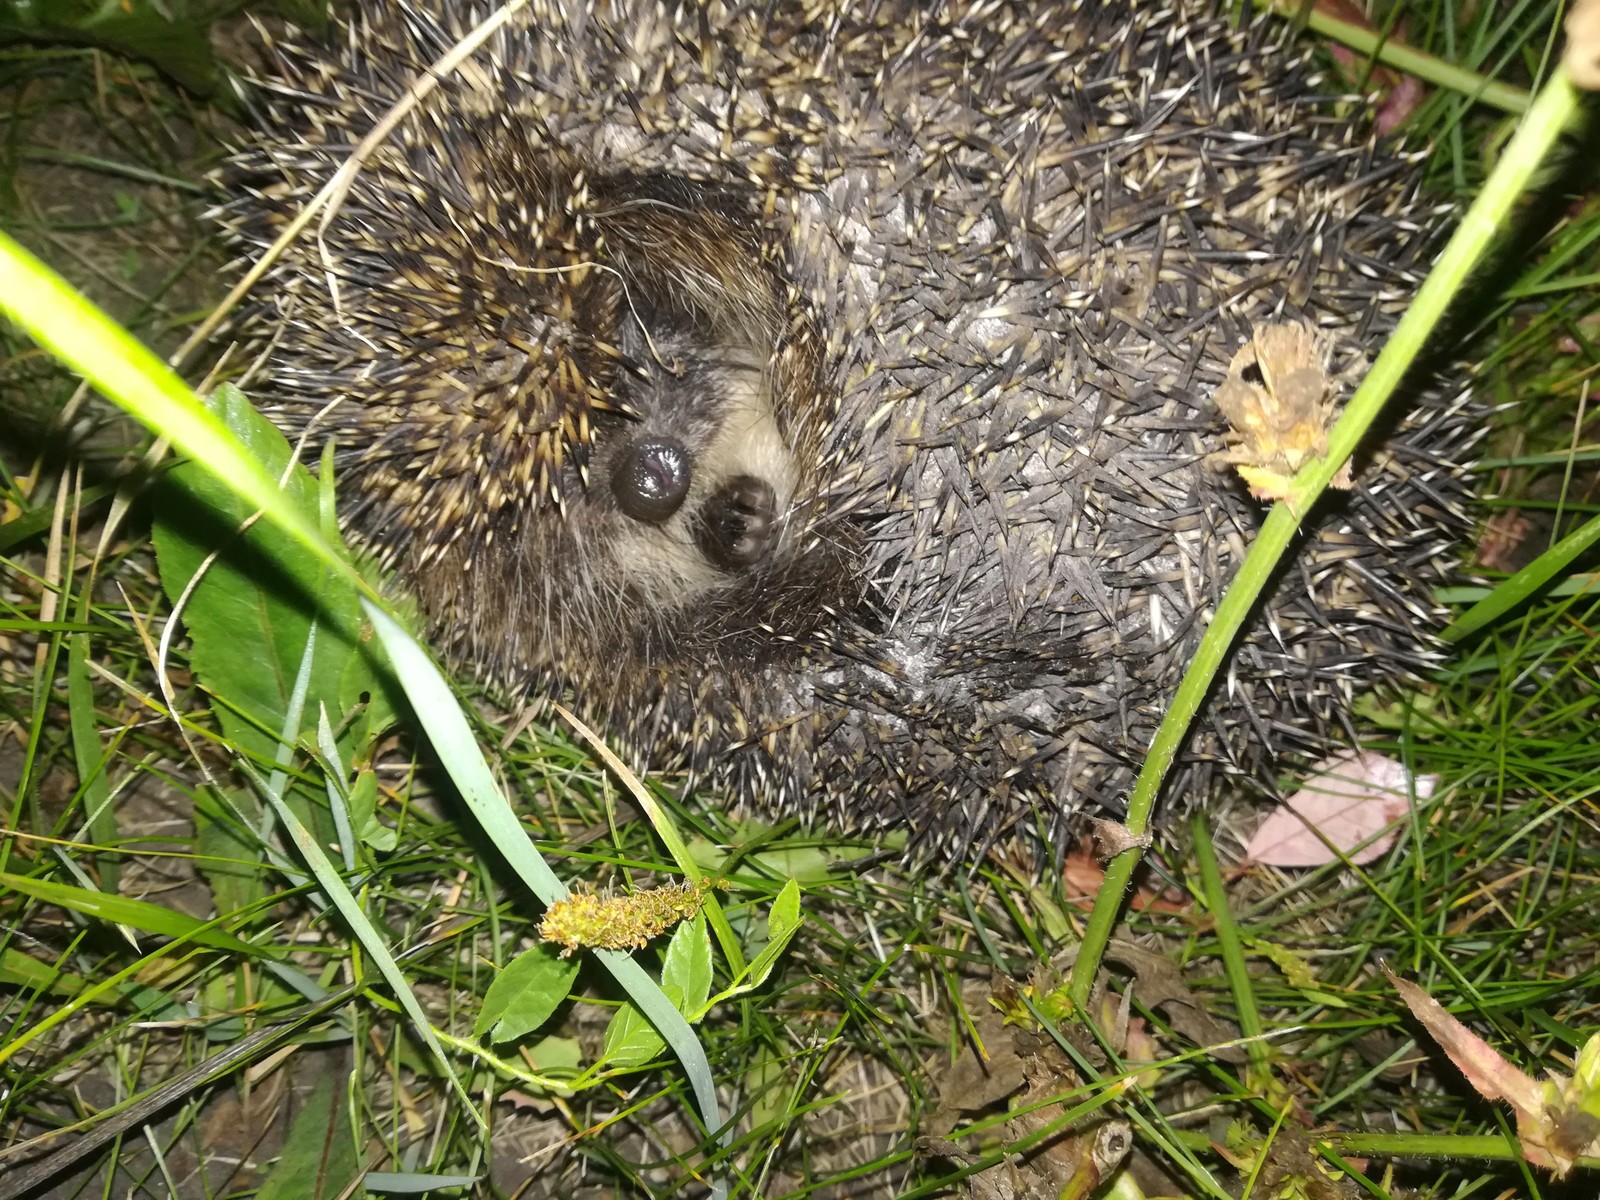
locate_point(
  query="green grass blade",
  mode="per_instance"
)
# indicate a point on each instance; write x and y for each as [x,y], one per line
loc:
[83,337]
[1233,961]
[1525,583]
[339,894]
[1401,57]
[440,714]
[136,914]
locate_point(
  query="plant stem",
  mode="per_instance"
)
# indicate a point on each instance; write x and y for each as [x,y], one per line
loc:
[1554,108]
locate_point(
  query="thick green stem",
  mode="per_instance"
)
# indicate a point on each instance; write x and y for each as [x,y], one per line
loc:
[1391,53]
[1555,107]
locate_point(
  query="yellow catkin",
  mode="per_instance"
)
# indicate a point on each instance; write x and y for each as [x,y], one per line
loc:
[600,922]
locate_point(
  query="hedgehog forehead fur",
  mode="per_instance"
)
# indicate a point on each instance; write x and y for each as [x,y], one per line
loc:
[820,395]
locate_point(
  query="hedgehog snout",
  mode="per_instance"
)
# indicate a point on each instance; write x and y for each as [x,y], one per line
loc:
[734,527]
[651,481]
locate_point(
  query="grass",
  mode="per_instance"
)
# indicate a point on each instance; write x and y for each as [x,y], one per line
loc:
[150,941]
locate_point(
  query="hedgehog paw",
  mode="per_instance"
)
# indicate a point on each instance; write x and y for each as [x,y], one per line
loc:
[739,522]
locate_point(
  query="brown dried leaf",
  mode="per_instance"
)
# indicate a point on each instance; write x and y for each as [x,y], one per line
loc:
[986,1072]
[1159,983]
[1542,1119]
[1083,875]
[1277,398]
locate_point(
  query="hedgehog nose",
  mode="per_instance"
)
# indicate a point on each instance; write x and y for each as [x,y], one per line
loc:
[652,479]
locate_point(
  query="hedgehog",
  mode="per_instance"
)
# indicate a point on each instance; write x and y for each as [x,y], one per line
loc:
[824,398]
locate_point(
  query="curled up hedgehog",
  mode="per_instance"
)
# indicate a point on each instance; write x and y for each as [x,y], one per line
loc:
[841,402]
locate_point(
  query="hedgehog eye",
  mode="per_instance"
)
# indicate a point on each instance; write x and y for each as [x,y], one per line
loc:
[652,479]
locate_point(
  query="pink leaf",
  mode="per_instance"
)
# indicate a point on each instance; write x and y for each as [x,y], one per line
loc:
[1496,1079]
[1348,797]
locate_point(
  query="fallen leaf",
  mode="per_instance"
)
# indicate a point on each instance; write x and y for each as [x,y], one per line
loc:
[1083,874]
[1347,798]
[1551,1122]
[1277,399]
[1505,537]
[1398,95]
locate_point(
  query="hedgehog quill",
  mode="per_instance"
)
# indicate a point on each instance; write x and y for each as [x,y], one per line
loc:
[824,397]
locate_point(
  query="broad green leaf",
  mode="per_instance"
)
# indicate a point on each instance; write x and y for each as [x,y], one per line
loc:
[23,970]
[686,981]
[440,714]
[767,1083]
[229,857]
[686,974]
[364,812]
[529,988]
[319,1155]
[630,1039]
[407,1183]
[123,910]
[250,616]
[783,922]
[555,1054]
[83,337]
[807,864]
[177,42]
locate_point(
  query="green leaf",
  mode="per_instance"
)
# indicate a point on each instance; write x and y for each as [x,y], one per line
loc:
[525,993]
[138,914]
[783,922]
[23,970]
[1525,583]
[555,1054]
[364,812]
[250,615]
[686,975]
[630,1039]
[410,1183]
[351,907]
[229,857]
[440,713]
[768,1085]
[319,1156]
[83,337]
[805,863]
[33,521]
[176,42]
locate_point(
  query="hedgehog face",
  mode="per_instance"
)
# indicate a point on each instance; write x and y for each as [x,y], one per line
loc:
[696,488]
